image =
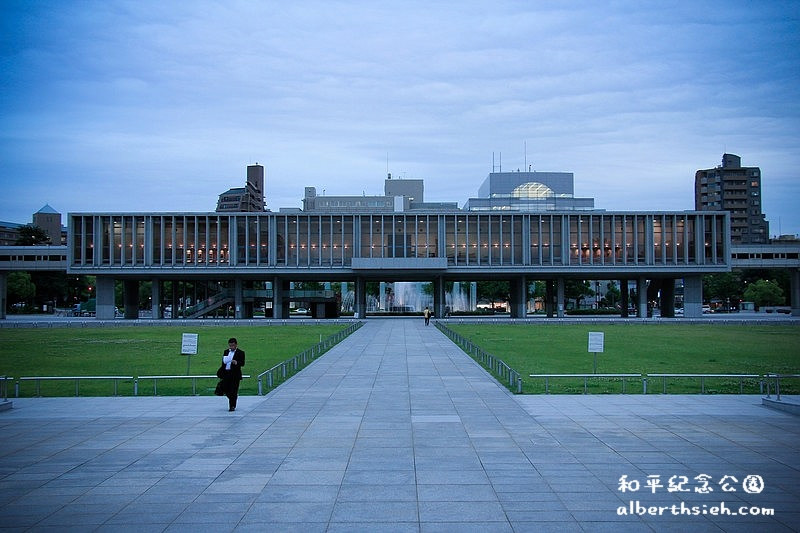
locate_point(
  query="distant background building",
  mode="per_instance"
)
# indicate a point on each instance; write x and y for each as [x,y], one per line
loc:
[9,233]
[528,192]
[49,220]
[736,189]
[399,195]
[248,198]
[46,218]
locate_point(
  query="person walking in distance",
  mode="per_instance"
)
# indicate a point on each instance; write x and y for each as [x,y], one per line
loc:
[427,314]
[232,363]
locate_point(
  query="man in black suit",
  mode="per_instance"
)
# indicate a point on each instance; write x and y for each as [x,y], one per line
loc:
[232,363]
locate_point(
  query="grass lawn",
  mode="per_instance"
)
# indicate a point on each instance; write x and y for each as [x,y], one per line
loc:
[144,350]
[643,349]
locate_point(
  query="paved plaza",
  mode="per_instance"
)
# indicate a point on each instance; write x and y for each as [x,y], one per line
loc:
[396,429]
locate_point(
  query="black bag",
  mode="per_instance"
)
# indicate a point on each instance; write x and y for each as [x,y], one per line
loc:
[220,390]
[221,372]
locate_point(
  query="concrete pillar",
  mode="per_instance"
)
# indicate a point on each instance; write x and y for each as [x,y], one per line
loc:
[155,299]
[238,299]
[548,298]
[794,289]
[360,298]
[439,297]
[560,297]
[693,296]
[105,298]
[382,296]
[625,293]
[668,298]
[130,295]
[473,295]
[519,296]
[641,294]
[343,287]
[174,299]
[278,299]
[3,294]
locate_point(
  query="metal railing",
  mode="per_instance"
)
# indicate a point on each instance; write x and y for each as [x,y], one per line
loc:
[586,378]
[499,368]
[77,379]
[703,377]
[646,379]
[285,368]
[289,367]
[495,365]
[156,378]
[777,377]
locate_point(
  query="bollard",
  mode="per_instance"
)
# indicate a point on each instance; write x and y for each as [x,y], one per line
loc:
[136,387]
[644,385]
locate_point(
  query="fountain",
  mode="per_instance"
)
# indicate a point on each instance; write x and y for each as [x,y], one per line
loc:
[410,296]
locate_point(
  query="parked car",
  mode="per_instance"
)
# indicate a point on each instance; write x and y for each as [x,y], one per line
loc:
[706,308]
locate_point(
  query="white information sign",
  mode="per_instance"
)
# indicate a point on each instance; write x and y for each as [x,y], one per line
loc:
[596,341]
[189,344]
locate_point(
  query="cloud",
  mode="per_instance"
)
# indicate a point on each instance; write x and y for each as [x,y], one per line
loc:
[167,104]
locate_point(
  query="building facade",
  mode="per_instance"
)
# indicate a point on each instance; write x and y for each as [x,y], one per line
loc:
[9,233]
[400,195]
[249,198]
[737,190]
[528,192]
[433,246]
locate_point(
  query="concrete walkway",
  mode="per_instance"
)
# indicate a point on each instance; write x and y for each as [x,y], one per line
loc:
[396,429]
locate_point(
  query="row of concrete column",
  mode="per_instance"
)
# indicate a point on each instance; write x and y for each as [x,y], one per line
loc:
[554,297]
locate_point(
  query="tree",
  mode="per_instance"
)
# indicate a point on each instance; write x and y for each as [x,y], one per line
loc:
[309,285]
[764,292]
[725,286]
[20,288]
[780,276]
[31,236]
[537,289]
[612,294]
[494,291]
[577,290]
[51,287]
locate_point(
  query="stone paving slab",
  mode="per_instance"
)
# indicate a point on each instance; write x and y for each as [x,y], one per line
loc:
[396,429]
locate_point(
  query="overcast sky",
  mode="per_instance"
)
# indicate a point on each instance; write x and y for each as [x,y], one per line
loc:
[160,105]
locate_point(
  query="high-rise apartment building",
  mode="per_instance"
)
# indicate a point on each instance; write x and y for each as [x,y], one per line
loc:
[248,198]
[736,189]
